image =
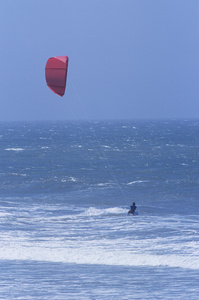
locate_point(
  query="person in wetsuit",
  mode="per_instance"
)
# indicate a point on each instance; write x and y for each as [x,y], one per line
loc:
[132,209]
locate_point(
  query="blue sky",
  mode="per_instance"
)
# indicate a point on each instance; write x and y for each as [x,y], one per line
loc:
[128,59]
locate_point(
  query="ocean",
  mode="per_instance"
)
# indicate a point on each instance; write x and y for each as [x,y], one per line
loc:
[66,188]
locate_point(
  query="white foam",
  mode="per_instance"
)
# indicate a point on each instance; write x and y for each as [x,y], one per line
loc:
[92,211]
[4,214]
[104,184]
[99,255]
[14,149]
[136,181]
[77,239]
[69,179]
[18,174]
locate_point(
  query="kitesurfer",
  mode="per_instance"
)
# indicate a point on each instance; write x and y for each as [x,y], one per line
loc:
[132,209]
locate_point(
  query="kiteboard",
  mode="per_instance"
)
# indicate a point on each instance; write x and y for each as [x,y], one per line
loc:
[135,214]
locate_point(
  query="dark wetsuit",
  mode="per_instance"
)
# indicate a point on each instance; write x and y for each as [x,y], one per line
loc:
[132,209]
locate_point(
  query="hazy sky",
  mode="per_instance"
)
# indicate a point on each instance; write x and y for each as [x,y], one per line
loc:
[128,59]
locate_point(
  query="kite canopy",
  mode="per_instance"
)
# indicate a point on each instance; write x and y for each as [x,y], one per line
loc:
[56,73]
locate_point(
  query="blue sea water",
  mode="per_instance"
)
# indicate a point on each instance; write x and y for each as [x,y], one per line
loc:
[66,188]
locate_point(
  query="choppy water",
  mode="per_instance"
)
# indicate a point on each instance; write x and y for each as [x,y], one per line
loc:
[65,193]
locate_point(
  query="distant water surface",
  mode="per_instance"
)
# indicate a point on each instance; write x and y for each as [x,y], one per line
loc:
[66,188]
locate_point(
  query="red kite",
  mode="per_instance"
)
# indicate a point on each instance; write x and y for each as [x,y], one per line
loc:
[56,73]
